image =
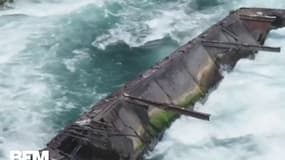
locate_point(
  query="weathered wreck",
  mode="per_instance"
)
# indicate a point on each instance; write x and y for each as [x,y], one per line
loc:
[128,122]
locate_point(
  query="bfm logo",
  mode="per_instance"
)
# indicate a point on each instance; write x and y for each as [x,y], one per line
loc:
[29,155]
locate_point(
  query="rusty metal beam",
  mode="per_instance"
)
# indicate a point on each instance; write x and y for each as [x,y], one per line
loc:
[218,44]
[165,106]
[227,31]
[259,18]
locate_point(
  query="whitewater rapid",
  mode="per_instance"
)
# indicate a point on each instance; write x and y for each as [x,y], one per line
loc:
[58,57]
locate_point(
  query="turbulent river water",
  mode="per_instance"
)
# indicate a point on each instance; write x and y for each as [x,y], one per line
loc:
[58,57]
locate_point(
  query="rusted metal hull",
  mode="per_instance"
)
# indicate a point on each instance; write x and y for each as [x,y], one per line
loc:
[116,129]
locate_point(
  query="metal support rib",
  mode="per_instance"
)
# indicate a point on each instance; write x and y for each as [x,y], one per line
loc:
[219,44]
[227,31]
[259,18]
[167,107]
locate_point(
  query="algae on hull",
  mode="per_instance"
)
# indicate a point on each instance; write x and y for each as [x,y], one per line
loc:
[160,120]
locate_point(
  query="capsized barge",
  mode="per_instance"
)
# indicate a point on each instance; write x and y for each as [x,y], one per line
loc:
[126,124]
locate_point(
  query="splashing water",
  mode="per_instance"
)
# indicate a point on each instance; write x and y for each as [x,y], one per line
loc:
[58,57]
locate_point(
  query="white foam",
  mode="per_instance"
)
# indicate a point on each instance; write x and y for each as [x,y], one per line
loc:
[79,56]
[173,19]
[48,8]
